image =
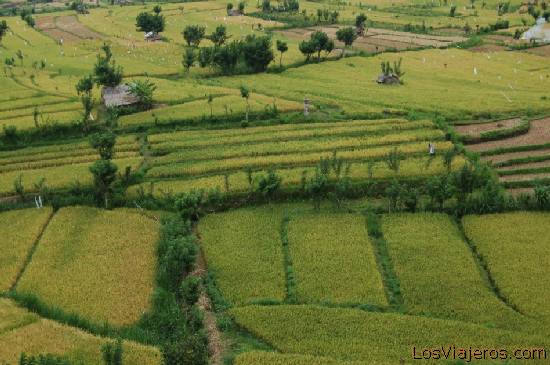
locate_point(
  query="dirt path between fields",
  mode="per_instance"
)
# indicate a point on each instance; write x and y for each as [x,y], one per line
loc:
[216,343]
[514,155]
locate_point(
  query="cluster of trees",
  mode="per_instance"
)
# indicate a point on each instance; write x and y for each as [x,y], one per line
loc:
[291,6]
[254,53]
[3,29]
[147,22]
[240,7]
[327,16]
[26,16]
[319,42]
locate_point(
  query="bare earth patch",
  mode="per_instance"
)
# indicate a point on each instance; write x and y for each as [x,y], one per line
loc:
[65,28]
[541,51]
[539,133]
[478,128]
[378,40]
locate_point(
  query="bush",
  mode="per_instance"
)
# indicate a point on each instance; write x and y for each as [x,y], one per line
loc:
[190,290]
[177,260]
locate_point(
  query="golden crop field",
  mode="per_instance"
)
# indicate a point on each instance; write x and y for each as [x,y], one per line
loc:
[514,246]
[98,264]
[19,230]
[21,331]
[321,245]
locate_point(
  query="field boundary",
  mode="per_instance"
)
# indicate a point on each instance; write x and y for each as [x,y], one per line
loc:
[290,276]
[484,270]
[30,254]
[383,261]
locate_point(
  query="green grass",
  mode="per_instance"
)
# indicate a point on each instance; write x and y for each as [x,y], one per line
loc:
[244,252]
[355,335]
[515,248]
[95,263]
[333,259]
[438,275]
[19,230]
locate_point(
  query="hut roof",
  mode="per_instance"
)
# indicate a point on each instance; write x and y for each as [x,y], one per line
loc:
[118,96]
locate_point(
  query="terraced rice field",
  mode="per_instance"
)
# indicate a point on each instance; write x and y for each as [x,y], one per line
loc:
[520,160]
[335,241]
[88,259]
[19,229]
[449,284]
[208,159]
[515,247]
[61,166]
[22,331]
[355,335]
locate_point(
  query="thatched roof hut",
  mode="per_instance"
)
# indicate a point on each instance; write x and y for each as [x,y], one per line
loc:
[118,96]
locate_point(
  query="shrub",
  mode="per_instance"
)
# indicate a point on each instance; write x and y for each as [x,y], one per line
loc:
[190,290]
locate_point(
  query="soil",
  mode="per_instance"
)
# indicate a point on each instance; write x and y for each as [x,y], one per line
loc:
[378,40]
[541,51]
[513,155]
[518,191]
[216,344]
[539,133]
[476,129]
[487,48]
[66,28]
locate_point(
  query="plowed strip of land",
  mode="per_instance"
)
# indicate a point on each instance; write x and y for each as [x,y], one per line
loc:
[539,133]
[524,177]
[530,165]
[475,129]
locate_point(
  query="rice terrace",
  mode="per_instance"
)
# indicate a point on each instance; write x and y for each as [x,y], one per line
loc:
[274,182]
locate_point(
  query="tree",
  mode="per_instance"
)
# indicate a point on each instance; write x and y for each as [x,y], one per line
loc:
[219,36]
[20,55]
[346,35]
[361,21]
[3,29]
[393,160]
[319,42]
[257,52]
[269,184]
[282,47]
[452,11]
[225,57]
[317,187]
[306,47]
[104,143]
[188,58]
[84,89]
[104,172]
[106,72]
[157,9]
[146,22]
[245,93]
[144,91]
[210,101]
[193,34]
[241,7]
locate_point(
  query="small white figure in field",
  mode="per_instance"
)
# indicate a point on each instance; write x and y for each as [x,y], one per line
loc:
[475,70]
[431,149]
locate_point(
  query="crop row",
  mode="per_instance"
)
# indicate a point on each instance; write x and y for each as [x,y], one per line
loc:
[288,160]
[48,108]
[449,284]
[237,182]
[58,162]
[299,146]
[515,248]
[345,130]
[260,130]
[57,151]
[30,102]
[99,264]
[351,334]
[58,177]
[221,106]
